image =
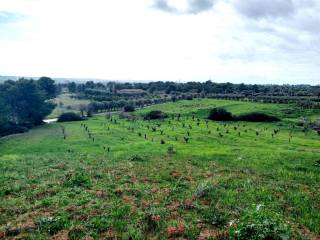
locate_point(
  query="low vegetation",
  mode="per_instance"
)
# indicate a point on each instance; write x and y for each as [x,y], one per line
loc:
[131,178]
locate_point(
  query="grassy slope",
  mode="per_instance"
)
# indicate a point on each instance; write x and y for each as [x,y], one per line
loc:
[88,190]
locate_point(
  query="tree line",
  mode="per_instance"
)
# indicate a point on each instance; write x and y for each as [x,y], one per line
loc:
[207,87]
[25,103]
[306,96]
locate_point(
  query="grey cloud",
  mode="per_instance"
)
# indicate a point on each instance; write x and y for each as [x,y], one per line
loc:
[194,6]
[197,6]
[258,9]
[163,5]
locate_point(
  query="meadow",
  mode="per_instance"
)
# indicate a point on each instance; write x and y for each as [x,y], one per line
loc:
[185,177]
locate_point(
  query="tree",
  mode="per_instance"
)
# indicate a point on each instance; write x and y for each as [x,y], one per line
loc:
[128,108]
[47,85]
[22,106]
[72,87]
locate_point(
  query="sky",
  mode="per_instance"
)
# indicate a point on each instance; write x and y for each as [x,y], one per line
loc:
[249,41]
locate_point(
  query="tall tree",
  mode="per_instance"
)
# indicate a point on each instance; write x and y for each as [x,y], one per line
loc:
[47,85]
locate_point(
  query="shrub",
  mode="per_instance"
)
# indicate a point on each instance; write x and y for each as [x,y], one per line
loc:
[257,117]
[260,224]
[171,150]
[99,223]
[52,225]
[128,108]
[77,179]
[215,216]
[69,117]
[155,115]
[220,114]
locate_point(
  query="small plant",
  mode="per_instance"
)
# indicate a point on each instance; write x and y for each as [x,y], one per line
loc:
[51,225]
[260,224]
[215,216]
[171,150]
[202,190]
[77,179]
[100,223]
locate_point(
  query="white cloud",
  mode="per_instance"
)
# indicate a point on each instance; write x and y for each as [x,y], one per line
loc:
[130,40]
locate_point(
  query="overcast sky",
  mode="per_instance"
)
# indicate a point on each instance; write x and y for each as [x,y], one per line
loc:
[250,41]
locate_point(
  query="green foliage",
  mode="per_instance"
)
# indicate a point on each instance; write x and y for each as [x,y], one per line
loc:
[25,106]
[77,178]
[171,150]
[52,225]
[261,223]
[100,223]
[200,192]
[215,216]
[47,85]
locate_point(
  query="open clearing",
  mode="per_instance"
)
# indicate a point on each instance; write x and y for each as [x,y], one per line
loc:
[119,180]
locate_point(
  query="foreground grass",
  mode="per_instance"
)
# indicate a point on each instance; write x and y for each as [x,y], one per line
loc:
[122,183]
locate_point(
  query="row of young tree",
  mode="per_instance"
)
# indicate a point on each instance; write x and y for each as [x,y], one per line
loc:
[24,103]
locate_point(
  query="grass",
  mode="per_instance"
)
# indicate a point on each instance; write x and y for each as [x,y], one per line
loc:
[66,103]
[211,187]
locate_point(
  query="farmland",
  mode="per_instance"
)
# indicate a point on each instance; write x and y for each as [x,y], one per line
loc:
[121,176]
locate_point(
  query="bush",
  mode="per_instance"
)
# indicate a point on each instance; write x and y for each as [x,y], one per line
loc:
[155,115]
[220,114]
[128,108]
[77,179]
[260,224]
[69,117]
[257,117]
[52,225]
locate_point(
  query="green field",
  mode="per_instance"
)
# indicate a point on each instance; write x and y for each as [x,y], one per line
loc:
[228,177]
